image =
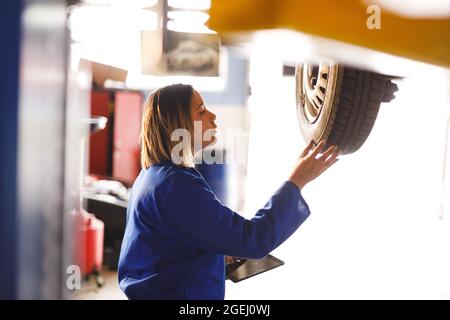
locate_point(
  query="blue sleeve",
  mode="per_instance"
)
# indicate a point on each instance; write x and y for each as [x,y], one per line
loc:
[191,213]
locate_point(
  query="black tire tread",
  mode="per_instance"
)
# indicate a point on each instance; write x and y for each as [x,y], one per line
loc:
[356,102]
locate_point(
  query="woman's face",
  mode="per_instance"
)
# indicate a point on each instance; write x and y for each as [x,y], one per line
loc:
[204,126]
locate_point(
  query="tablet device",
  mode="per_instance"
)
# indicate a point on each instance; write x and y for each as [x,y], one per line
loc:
[246,268]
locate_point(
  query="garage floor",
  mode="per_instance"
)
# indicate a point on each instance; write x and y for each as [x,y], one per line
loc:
[110,291]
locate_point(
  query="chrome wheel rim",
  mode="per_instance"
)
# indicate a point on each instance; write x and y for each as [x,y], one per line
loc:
[315,88]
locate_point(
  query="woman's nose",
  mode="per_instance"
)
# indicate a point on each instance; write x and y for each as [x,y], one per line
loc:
[212,116]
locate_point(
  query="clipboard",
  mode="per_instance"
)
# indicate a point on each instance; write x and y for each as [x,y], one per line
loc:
[247,268]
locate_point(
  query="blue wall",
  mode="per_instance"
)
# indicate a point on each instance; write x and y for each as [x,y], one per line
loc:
[10,14]
[237,88]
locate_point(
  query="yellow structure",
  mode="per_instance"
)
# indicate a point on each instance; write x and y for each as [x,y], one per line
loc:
[426,40]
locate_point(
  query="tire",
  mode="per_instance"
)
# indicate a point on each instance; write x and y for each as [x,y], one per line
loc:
[339,104]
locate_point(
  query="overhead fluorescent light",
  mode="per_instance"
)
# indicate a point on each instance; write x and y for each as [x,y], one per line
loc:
[190,4]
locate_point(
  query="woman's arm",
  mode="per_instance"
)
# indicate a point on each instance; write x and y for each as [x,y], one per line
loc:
[189,211]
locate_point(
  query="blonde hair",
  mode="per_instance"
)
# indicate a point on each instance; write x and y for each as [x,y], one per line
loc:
[166,109]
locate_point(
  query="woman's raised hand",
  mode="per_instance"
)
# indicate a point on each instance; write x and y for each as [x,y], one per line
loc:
[312,164]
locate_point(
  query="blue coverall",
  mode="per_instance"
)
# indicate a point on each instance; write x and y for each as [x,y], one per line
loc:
[178,232]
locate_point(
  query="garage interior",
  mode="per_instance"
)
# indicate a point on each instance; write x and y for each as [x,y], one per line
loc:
[76,75]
